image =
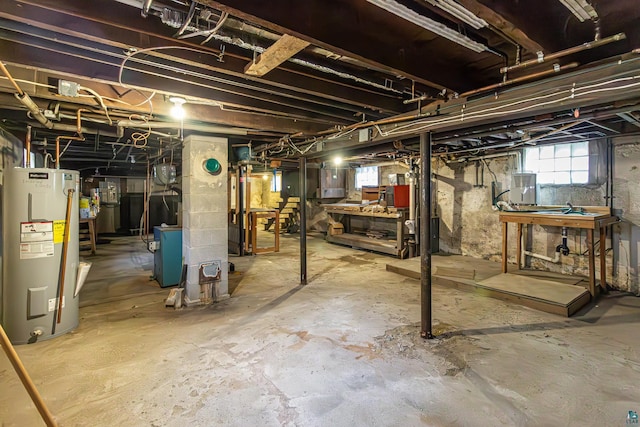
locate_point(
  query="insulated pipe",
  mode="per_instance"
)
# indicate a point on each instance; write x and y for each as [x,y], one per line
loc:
[589,45]
[28,148]
[28,384]
[303,220]
[187,21]
[33,108]
[425,236]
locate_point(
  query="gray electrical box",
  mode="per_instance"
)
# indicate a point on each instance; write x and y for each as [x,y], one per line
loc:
[523,189]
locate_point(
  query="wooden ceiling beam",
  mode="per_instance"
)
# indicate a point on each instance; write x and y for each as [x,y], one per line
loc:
[284,48]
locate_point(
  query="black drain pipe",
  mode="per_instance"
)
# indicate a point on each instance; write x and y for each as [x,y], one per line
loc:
[425,236]
[303,220]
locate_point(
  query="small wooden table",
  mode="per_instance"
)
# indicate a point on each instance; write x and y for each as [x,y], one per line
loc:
[91,223]
[593,218]
[252,227]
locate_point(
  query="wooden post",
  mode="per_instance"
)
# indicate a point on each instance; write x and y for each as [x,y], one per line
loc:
[603,259]
[26,380]
[504,247]
[592,263]
[519,247]
[303,219]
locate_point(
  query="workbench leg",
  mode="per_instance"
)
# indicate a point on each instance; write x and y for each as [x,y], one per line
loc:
[277,231]
[519,247]
[603,259]
[253,232]
[92,236]
[399,236]
[504,247]
[592,263]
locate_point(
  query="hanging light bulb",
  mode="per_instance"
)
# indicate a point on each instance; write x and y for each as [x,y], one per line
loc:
[337,160]
[177,111]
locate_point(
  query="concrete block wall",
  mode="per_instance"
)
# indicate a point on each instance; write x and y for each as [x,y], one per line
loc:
[204,215]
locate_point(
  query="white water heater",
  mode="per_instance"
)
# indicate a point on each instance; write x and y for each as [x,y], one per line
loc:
[35,206]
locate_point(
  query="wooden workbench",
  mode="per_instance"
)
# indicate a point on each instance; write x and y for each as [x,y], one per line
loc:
[347,214]
[593,218]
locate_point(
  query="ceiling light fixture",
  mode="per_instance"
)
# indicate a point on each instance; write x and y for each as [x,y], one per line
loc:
[459,11]
[177,111]
[337,160]
[428,24]
[581,9]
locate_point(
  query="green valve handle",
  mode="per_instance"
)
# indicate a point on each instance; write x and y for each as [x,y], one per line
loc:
[212,166]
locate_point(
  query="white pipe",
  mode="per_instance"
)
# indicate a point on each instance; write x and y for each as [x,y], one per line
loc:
[555,259]
[412,198]
[177,125]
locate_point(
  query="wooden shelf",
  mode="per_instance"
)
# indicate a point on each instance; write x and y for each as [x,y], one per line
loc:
[364,242]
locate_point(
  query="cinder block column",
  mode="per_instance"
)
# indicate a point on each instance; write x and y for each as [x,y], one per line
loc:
[204,216]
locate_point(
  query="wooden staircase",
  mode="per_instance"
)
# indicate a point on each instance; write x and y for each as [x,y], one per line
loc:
[289,208]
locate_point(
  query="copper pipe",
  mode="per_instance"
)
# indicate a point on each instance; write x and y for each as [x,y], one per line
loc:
[79,120]
[68,138]
[80,137]
[65,250]
[571,50]
[520,79]
[11,80]
[28,147]
[28,384]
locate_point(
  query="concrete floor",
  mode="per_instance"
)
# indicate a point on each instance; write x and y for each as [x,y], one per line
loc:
[343,351]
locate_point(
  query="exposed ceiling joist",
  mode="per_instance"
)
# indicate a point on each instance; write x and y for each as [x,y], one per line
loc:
[502,24]
[351,30]
[276,54]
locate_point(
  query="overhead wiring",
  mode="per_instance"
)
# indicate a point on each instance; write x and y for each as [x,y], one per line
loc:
[465,114]
[131,53]
[100,100]
[138,136]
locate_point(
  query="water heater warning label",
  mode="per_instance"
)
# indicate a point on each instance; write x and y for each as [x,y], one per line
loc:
[36,240]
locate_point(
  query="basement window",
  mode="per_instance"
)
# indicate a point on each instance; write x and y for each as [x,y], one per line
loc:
[560,164]
[367,176]
[276,184]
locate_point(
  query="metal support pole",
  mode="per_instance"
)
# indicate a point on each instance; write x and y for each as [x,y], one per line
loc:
[240,211]
[425,236]
[303,221]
